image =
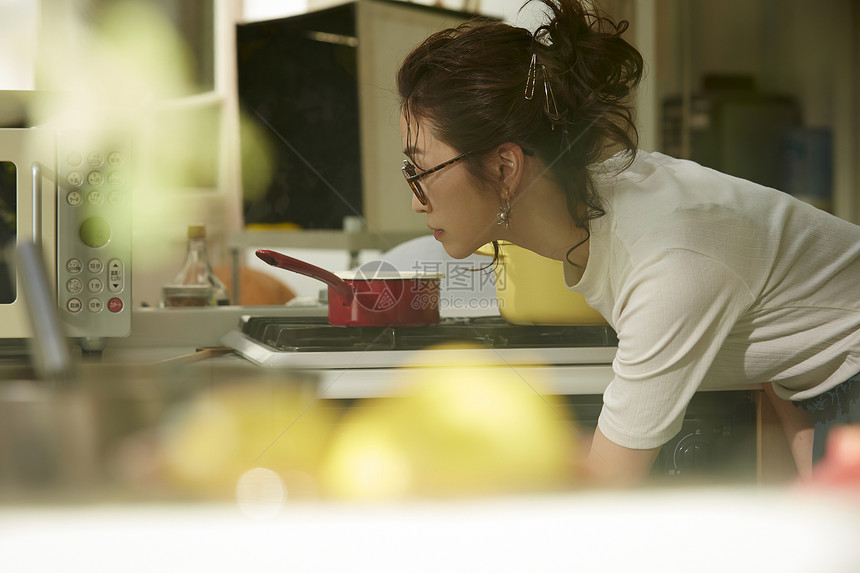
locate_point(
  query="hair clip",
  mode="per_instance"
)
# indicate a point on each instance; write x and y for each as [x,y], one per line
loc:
[529,92]
[551,108]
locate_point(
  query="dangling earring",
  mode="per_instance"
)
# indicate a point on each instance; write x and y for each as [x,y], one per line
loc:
[503,217]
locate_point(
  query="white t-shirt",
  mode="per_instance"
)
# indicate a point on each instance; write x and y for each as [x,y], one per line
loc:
[712,282]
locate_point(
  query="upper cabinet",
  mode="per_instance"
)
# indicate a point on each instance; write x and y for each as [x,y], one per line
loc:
[159,67]
[320,116]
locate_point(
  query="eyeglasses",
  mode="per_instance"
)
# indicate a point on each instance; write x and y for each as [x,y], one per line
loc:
[410,172]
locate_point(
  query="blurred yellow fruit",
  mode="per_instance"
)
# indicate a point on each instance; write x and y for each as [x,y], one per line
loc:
[460,429]
[210,442]
[365,462]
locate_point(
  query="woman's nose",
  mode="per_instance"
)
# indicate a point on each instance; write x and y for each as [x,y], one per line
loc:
[417,206]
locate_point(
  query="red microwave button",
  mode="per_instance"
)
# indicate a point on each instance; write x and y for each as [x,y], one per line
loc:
[115,304]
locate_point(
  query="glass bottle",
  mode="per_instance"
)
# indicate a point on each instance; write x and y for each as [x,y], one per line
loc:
[196,270]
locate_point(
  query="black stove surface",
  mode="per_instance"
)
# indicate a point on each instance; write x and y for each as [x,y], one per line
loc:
[315,334]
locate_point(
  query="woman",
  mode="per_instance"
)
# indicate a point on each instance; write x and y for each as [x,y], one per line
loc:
[708,280]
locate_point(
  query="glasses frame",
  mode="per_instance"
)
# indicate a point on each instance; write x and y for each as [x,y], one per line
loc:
[414,177]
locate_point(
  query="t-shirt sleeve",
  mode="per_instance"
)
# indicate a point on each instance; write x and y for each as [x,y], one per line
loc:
[673,314]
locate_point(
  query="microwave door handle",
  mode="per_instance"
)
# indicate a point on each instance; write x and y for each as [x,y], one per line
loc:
[37,204]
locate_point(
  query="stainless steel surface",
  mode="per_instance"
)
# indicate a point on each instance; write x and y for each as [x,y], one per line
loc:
[384,382]
[48,345]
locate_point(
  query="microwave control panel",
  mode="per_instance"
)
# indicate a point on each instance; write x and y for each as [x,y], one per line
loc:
[94,183]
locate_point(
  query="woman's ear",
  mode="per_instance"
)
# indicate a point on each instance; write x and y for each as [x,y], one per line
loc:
[510,165]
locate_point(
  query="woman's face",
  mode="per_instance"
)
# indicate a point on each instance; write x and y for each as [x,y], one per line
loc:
[461,216]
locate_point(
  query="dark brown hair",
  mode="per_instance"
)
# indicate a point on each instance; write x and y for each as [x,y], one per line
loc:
[467,85]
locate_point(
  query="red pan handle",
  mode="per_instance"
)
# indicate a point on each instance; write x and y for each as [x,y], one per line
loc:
[289,263]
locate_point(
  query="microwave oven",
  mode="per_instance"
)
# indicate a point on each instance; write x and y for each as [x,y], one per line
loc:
[69,192]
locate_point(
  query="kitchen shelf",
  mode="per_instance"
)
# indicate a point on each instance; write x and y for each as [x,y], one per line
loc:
[351,241]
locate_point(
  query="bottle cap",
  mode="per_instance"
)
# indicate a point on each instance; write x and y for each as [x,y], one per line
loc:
[196,231]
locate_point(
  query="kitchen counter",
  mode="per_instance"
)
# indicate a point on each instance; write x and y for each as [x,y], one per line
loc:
[177,334]
[160,333]
[164,333]
[518,533]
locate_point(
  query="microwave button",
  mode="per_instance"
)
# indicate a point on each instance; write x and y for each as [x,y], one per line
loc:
[74,305]
[115,275]
[94,232]
[114,197]
[95,266]
[74,178]
[74,158]
[74,266]
[115,178]
[115,158]
[95,178]
[115,304]
[74,285]
[95,285]
[95,197]
[74,198]
[95,159]
[95,305]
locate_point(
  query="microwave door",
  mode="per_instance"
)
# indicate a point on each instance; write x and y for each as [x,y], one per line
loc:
[28,194]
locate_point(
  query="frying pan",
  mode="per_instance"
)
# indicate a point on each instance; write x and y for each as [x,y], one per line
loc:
[370,299]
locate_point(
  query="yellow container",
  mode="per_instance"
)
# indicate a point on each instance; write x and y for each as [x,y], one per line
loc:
[531,290]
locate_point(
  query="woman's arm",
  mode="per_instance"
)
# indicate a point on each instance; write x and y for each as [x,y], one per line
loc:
[610,465]
[798,427]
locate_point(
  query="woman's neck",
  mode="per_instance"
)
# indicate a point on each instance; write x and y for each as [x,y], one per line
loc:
[541,222]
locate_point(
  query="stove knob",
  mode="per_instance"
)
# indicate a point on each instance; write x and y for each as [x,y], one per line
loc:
[692,453]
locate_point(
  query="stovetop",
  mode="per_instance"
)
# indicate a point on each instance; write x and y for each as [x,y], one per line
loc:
[310,342]
[314,334]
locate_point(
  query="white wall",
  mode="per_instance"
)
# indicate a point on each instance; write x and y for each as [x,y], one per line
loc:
[256,10]
[253,10]
[18,43]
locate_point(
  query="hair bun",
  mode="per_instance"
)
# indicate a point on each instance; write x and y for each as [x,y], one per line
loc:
[585,51]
